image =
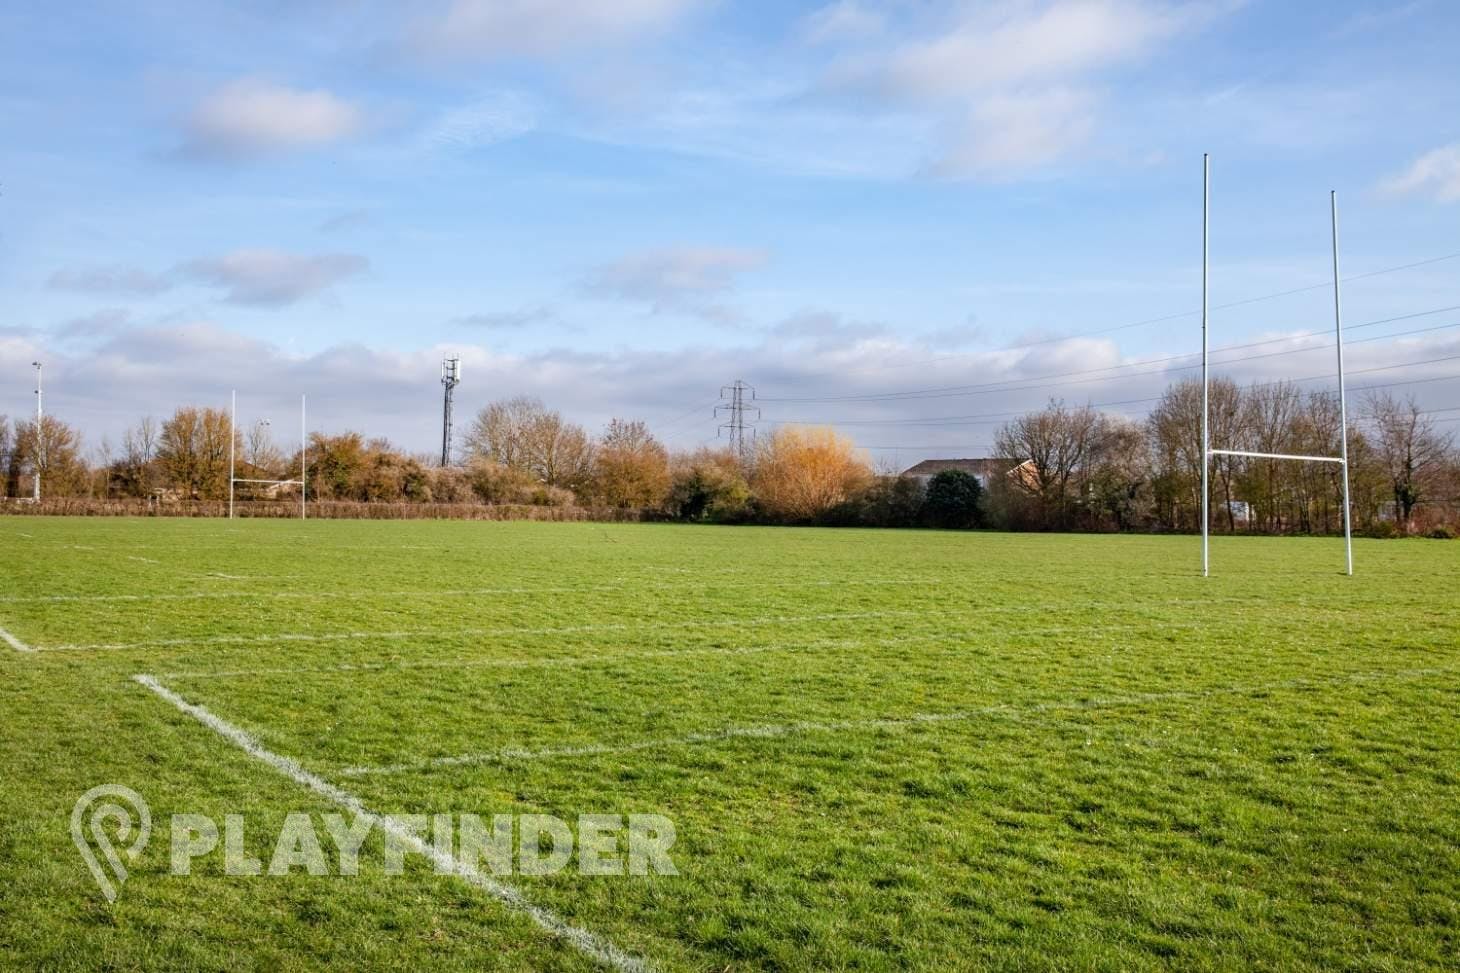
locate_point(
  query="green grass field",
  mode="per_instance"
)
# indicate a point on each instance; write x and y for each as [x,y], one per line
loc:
[880,750]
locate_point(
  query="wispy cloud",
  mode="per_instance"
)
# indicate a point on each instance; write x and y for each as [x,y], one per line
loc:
[252,117]
[492,118]
[690,280]
[1435,174]
[842,21]
[112,279]
[508,320]
[491,29]
[273,278]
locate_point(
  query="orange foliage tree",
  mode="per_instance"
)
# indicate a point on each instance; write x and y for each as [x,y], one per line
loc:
[802,472]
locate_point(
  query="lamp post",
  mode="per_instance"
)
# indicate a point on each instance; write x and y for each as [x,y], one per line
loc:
[39,460]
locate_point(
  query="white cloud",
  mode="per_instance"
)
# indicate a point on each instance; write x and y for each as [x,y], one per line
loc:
[487,29]
[1435,174]
[113,279]
[842,21]
[1006,134]
[272,278]
[251,117]
[682,279]
[1016,85]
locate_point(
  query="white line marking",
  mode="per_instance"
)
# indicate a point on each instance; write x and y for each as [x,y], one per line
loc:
[144,560]
[591,945]
[770,731]
[14,642]
[451,592]
[485,632]
[29,537]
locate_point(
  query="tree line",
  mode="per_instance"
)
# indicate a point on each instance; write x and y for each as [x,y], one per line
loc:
[1066,468]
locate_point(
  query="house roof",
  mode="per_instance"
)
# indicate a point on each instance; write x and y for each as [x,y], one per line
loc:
[978,467]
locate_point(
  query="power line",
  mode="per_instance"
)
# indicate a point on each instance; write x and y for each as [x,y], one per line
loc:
[1168,317]
[940,391]
[953,421]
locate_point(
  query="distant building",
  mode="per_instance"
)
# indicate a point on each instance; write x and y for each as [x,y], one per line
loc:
[985,471]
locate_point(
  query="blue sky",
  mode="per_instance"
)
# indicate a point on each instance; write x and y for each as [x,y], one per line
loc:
[620,207]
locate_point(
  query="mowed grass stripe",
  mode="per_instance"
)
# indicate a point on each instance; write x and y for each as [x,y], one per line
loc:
[774,731]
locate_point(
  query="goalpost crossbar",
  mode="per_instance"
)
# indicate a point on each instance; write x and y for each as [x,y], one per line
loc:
[1294,456]
[302,482]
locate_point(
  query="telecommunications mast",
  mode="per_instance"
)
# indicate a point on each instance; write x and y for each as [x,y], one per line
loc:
[450,378]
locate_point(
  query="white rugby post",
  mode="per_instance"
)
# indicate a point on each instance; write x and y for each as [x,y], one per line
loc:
[1208,452]
[233,478]
[1206,443]
[1348,538]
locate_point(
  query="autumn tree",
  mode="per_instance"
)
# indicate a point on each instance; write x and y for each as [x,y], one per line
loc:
[631,467]
[193,449]
[52,450]
[803,471]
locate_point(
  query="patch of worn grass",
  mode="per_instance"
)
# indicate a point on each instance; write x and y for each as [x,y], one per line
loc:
[881,750]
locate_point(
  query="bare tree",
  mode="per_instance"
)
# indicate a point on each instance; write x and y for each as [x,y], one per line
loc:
[6,451]
[1058,442]
[259,450]
[137,466]
[1175,428]
[1413,453]
[522,434]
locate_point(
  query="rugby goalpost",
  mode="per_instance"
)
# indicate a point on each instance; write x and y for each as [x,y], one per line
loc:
[233,478]
[1206,446]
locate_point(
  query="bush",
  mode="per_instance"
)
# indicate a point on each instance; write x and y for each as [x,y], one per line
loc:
[953,500]
[708,487]
[1383,530]
[1442,532]
[888,501]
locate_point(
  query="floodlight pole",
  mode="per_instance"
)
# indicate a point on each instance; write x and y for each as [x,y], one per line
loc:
[232,437]
[39,460]
[1206,455]
[1348,540]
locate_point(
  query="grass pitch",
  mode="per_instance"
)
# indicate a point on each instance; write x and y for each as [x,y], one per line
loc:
[881,750]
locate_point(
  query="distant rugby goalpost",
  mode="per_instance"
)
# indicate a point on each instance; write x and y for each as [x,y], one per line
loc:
[1206,447]
[234,479]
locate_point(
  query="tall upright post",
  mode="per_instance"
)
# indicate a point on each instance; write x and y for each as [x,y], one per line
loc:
[232,438]
[1348,540]
[1206,455]
[303,457]
[450,378]
[38,460]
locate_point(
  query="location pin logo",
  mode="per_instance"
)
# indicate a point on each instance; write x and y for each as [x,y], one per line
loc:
[101,811]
